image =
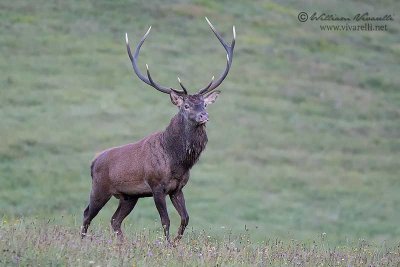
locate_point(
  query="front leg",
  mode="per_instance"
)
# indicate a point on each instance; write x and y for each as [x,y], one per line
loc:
[159,200]
[178,200]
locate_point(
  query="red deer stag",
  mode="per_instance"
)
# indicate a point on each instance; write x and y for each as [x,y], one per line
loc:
[159,164]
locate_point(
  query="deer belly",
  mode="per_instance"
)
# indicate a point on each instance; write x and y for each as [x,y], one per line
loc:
[133,187]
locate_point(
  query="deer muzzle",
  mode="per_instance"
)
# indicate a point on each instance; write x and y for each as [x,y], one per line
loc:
[202,117]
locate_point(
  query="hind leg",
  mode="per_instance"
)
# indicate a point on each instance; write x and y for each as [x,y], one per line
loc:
[96,203]
[126,205]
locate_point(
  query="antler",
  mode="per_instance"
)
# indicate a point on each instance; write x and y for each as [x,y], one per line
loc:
[229,57]
[211,86]
[183,87]
[147,80]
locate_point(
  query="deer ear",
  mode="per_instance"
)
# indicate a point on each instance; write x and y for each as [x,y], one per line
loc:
[210,98]
[176,99]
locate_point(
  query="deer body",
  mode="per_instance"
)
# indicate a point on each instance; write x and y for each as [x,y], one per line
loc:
[160,158]
[159,164]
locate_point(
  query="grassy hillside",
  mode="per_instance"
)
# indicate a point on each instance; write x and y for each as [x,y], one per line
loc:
[304,140]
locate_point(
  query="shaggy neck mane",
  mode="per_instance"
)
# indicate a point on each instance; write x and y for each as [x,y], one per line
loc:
[184,142]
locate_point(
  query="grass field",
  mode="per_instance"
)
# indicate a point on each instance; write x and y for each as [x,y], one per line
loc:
[27,243]
[304,140]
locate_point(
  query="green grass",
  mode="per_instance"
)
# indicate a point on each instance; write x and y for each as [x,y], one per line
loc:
[25,243]
[304,140]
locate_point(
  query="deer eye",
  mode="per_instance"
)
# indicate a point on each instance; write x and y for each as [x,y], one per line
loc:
[186,106]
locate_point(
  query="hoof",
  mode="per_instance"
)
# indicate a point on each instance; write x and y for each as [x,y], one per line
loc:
[177,238]
[83,235]
[119,235]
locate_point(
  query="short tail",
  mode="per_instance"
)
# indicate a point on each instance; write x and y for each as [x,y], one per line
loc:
[92,167]
[94,161]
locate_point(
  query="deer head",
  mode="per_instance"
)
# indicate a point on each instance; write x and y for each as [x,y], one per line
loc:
[192,107]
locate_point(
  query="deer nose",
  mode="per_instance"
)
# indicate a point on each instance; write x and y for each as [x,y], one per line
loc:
[202,117]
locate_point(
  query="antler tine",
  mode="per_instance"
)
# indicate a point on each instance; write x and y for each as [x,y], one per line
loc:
[217,34]
[233,39]
[183,87]
[148,80]
[229,56]
[202,91]
[134,58]
[152,83]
